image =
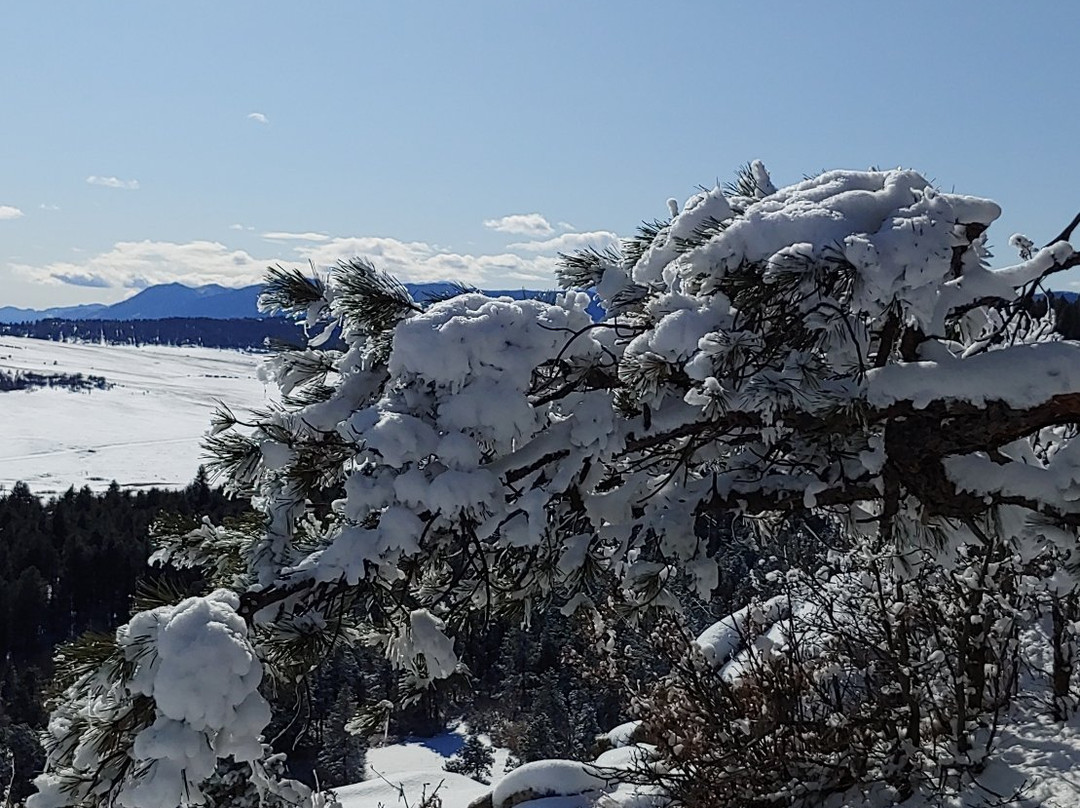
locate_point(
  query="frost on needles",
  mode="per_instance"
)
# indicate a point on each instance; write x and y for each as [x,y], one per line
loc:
[838,346]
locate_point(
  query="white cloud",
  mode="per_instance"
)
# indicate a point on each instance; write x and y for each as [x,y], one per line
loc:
[46,206]
[137,264]
[10,212]
[113,182]
[417,261]
[523,224]
[282,236]
[568,242]
[258,117]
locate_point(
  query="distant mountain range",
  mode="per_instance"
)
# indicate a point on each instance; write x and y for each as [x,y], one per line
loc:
[210,301]
[154,303]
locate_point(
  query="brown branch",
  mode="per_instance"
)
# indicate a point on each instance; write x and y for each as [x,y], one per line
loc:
[730,421]
[916,444]
[1065,234]
[963,428]
[888,338]
[517,475]
[992,300]
[971,232]
[910,342]
[595,379]
[917,441]
[758,502]
[1068,263]
[254,601]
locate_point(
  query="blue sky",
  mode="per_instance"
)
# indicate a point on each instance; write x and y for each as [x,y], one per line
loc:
[144,142]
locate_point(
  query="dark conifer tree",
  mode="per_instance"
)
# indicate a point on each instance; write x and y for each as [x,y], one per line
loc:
[474,760]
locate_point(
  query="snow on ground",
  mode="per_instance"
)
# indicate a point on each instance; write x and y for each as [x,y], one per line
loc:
[1036,760]
[1034,764]
[456,790]
[542,777]
[1040,758]
[144,431]
[414,764]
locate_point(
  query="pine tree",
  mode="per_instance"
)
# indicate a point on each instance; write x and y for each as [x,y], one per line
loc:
[342,755]
[474,759]
[539,740]
[20,755]
[838,347]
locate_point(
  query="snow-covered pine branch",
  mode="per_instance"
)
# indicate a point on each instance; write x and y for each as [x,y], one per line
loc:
[838,345]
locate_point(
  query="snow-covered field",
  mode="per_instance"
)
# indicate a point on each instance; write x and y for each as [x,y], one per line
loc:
[413,766]
[143,431]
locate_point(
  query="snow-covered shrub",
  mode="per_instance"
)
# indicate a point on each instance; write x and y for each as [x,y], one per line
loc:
[548,778]
[146,715]
[881,668]
[233,786]
[838,347]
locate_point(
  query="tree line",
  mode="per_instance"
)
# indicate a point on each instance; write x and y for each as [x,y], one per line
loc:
[240,333]
[28,380]
[69,565]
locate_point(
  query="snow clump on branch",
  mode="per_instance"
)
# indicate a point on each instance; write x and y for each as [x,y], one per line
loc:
[190,675]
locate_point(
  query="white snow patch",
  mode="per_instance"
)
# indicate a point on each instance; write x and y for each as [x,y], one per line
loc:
[549,778]
[415,764]
[724,638]
[145,430]
[621,735]
[1020,376]
[456,790]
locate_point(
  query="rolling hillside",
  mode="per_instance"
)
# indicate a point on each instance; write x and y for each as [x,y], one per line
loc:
[144,429]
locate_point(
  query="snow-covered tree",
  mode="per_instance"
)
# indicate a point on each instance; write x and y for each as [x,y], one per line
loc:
[838,346]
[474,759]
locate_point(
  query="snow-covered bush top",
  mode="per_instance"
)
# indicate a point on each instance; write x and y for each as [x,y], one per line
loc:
[188,676]
[547,778]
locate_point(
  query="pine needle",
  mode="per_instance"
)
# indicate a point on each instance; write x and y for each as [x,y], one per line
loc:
[370,300]
[289,291]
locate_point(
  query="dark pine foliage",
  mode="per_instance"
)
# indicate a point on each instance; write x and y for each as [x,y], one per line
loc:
[70,565]
[27,380]
[210,333]
[1066,310]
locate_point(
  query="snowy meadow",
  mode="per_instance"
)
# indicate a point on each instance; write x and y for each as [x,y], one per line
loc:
[145,429]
